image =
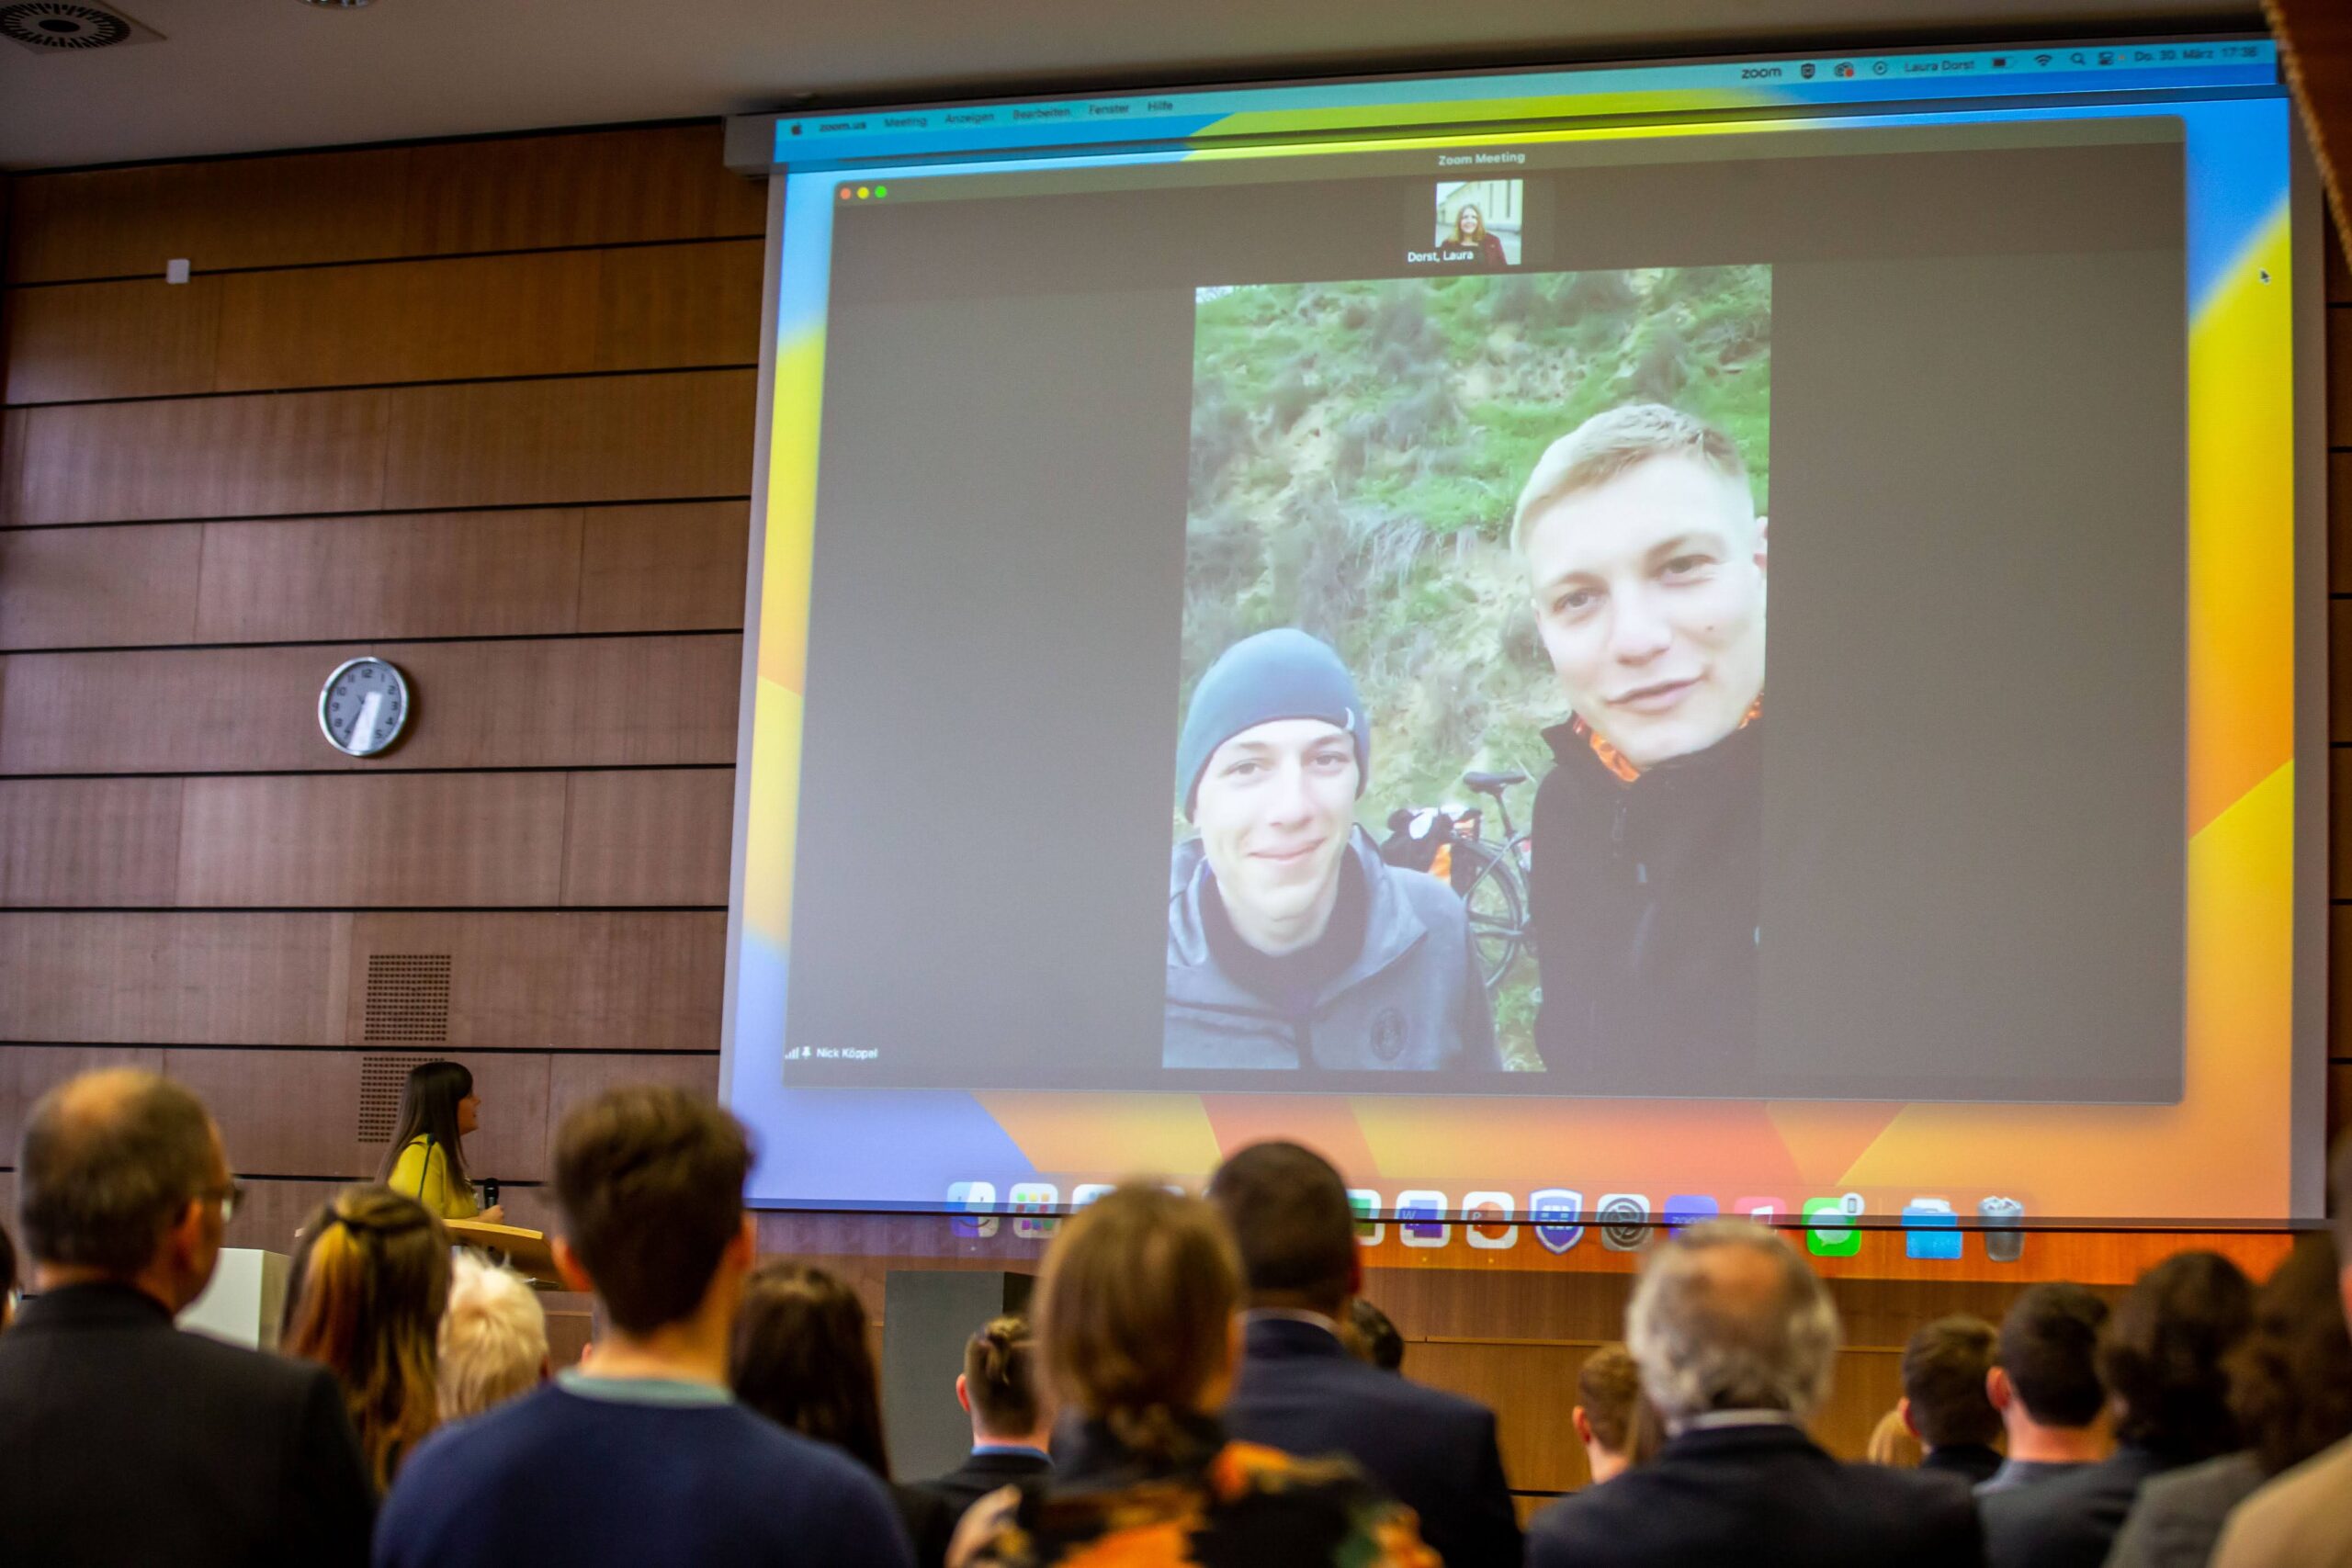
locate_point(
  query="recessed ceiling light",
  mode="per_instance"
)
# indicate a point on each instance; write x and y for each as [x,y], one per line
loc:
[338,5]
[59,24]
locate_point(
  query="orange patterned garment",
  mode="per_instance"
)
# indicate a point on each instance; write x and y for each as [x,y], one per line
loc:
[1245,1505]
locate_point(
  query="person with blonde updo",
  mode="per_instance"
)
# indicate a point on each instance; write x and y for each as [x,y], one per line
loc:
[1139,1326]
[1013,1423]
[371,1277]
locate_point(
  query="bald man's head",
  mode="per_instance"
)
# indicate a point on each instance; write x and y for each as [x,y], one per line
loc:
[1728,1317]
[108,1162]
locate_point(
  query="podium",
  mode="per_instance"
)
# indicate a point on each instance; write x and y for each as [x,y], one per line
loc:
[526,1252]
[245,1301]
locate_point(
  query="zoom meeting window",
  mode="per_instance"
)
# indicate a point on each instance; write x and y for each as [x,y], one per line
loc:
[1314,622]
[1753,655]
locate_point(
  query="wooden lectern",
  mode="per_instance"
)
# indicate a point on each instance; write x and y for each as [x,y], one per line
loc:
[526,1252]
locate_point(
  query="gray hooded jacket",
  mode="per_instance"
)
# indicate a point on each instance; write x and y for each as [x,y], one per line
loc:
[1413,999]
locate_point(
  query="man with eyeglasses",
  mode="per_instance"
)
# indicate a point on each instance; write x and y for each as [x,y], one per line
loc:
[127,1441]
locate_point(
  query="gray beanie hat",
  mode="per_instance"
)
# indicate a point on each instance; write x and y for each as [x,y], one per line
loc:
[1279,674]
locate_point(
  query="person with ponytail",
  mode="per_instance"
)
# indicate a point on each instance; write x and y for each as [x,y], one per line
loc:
[427,1157]
[1012,1423]
[1139,1326]
[371,1277]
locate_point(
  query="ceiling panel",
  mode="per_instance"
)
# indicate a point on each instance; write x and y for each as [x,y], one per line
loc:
[248,75]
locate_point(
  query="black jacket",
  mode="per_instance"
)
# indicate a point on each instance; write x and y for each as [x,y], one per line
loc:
[1972,1462]
[2068,1520]
[980,1474]
[1759,1497]
[1646,908]
[1434,1452]
[123,1440]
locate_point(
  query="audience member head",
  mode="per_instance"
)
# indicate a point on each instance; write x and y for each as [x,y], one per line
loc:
[1726,1317]
[1369,1336]
[370,1277]
[1607,1410]
[1136,1315]
[998,1387]
[1289,1218]
[436,1102]
[2046,1361]
[800,1358]
[1893,1444]
[2290,1377]
[1945,1367]
[121,1178]
[2161,1356]
[493,1338]
[650,1181]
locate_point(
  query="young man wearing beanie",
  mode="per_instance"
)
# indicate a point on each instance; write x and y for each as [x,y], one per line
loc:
[1290,943]
[1645,555]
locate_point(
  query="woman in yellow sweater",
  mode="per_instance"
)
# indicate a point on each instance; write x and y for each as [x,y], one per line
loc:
[427,1161]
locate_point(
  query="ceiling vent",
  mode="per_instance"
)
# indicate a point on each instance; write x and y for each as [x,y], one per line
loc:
[48,25]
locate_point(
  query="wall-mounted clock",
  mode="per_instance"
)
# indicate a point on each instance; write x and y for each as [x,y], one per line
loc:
[362,707]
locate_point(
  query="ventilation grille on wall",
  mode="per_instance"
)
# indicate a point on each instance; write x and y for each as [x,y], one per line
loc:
[407,1000]
[48,24]
[380,1080]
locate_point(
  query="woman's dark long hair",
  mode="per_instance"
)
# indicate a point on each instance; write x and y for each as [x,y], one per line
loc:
[2162,1352]
[429,1110]
[800,1358]
[2291,1380]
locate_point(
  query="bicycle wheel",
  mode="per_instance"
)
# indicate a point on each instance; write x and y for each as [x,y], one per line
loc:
[1497,909]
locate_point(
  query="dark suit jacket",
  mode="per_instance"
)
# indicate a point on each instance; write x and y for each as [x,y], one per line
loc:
[1973,1462]
[127,1441]
[982,1474]
[1759,1496]
[2070,1518]
[1434,1452]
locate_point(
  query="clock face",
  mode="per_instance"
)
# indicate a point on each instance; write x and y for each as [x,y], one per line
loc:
[362,707]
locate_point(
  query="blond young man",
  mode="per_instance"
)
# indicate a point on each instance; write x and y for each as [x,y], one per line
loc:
[1646,557]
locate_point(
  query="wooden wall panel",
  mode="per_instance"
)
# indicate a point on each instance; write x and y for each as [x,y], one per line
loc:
[1530,1388]
[638,438]
[373,841]
[423,574]
[136,339]
[275,1209]
[98,587]
[589,188]
[647,438]
[664,305]
[664,567]
[239,212]
[93,843]
[572,190]
[588,702]
[575,1079]
[646,981]
[28,1072]
[172,978]
[648,836]
[533,314]
[2340,522]
[198,458]
[528,571]
[296,1113]
[550,981]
